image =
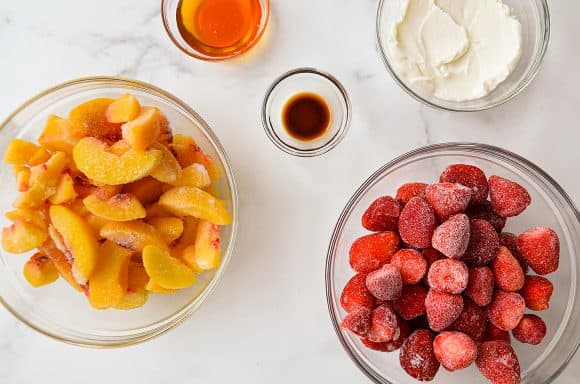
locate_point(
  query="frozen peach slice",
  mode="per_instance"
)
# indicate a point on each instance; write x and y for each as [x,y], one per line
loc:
[41,156]
[134,235]
[143,131]
[167,271]
[121,207]
[188,257]
[59,135]
[207,245]
[39,270]
[188,152]
[170,228]
[187,239]
[108,282]
[194,202]
[93,159]
[124,109]
[43,182]
[168,169]
[36,217]
[90,119]
[78,206]
[119,148]
[79,239]
[147,190]
[194,175]
[61,262]
[65,190]
[23,179]
[96,223]
[136,295]
[153,287]
[156,210]
[22,237]
[19,152]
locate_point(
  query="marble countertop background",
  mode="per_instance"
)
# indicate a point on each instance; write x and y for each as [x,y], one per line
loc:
[272,298]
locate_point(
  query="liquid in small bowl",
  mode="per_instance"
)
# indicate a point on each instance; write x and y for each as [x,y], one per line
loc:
[306,116]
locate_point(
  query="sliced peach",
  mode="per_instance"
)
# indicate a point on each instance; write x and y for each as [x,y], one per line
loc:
[194,202]
[90,119]
[207,246]
[39,270]
[36,217]
[143,131]
[19,152]
[41,156]
[93,159]
[79,239]
[147,190]
[22,237]
[132,300]
[23,179]
[65,190]
[134,235]
[105,192]
[60,135]
[78,207]
[96,223]
[170,228]
[154,287]
[167,271]
[165,135]
[108,282]
[188,152]
[156,210]
[136,295]
[168,169]
[119,148]
[124,109]
[121,207]
[43,182]
[194,175]
[62,263]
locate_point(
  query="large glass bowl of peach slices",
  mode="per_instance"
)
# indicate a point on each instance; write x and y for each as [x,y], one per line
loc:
[118,209]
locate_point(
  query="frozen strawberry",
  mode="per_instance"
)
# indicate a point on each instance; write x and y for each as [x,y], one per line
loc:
[370,252]
[411,264]
[431,255]
[411,304]
[452,237]
[356,295]
[540,248]
[417,223]
[510,241]
[537,292]
[506,310]
[417,357]
[407,191]
[448,199]
[480,286]
[497,361]
[508,198]
[530,330]
[486,212]
[382,215]
[442,309]
[469,176]
[385,283]
[358,321]
[508,273]
[394,344]
[448,276]
[493,333]
[471,321]
[483,243]
[454,350]
[384,325]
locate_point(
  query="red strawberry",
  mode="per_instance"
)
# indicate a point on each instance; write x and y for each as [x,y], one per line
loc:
[469,176]
[530,330]
[384,325]
[411,304]
[411,264]
[448,276]
[448,199]
[537,292]
[508,198]
[483,243]
[508,272]
[394,344]
[370,252]
[480,285]
[485,212]
[382,215]
[431,255]
[356,295]
[407,191]
[454,350]
[385,283]
[471,321]
[510,241]
[417,357]
[358,321]
[497,361]
[442,309]
[417,223]
[506,310]
[452,237]
[540,248]
[493,333]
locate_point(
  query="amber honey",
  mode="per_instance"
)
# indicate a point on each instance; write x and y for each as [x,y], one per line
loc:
[219,28]
[306,116]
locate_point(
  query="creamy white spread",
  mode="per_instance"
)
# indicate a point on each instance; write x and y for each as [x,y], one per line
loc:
[458,50]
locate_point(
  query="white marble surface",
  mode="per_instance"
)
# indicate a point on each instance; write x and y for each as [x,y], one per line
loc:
[267,322]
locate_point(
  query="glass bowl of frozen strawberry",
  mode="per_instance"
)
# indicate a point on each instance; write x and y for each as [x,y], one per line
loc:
[457,263]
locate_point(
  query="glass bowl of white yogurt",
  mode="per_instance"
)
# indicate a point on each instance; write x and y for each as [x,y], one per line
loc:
[463,55]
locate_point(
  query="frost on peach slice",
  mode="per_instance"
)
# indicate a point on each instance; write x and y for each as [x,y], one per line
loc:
[192,201]
[60,135]
[90,119]
[36,217]
[22,237]
[170,228]
[65,190]
[124,109]
[143,131]
[134,235]
[167,271]
[19,152]
[147,189]
[188,152]
[78,238]
[93,159]
[136,296]
[120,207]
[61,262]
[108,282]
[206,250]
[168,169]
[39,270]
[43,182]
[194,175]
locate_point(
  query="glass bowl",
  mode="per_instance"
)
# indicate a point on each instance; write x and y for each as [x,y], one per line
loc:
[534,16]
[59,311]
[550,206]
[169,16]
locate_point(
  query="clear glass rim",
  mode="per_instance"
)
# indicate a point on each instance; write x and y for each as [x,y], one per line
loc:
[150,331]
[530,75]
[311,152]
[198,55]
[458,146]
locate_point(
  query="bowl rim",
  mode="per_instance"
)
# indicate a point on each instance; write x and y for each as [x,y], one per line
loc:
[529,76]
[153,330]
[432,148]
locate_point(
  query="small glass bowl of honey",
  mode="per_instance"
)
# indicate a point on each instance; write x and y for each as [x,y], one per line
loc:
[306,112]
[213,30]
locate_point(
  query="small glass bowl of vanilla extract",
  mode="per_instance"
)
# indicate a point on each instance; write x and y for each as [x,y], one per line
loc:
[306,112]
